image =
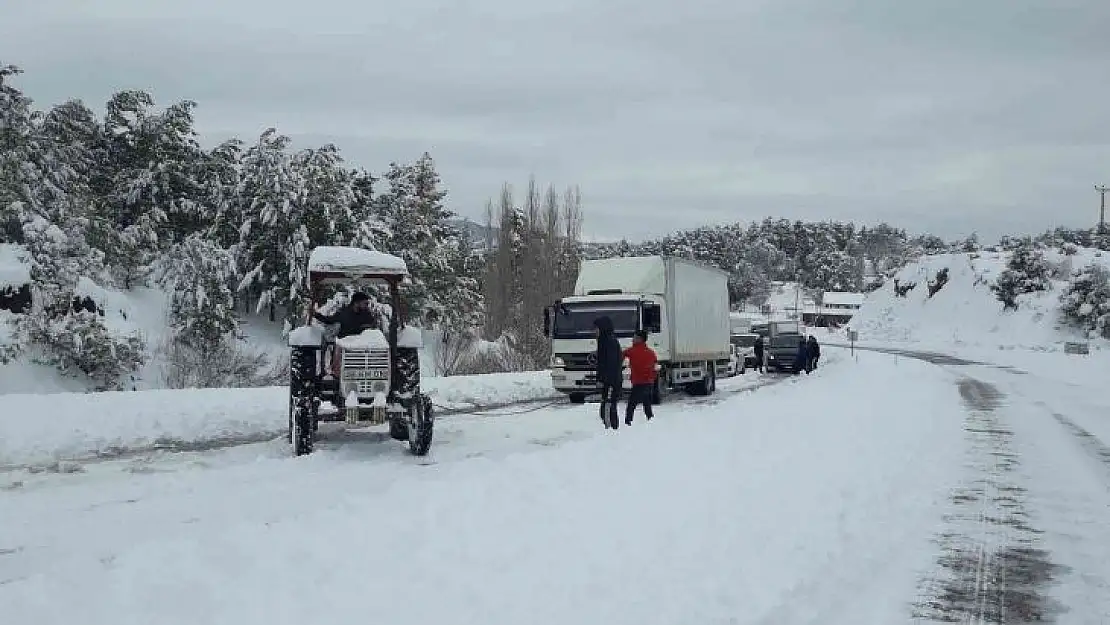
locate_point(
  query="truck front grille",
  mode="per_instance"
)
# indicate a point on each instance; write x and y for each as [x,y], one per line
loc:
[578,362]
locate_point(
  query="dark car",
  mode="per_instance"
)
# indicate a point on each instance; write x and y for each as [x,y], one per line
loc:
[781,350]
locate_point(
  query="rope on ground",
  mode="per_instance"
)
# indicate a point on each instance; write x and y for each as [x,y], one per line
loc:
[486,410]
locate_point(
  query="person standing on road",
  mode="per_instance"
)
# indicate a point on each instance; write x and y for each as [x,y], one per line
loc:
[758,349]
[609,374]
[801,358]
[641,365]
[814,352]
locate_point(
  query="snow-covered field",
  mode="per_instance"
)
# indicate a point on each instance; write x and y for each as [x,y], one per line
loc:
[42,429]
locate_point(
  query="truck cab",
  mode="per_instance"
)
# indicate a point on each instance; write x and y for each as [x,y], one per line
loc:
[570,325]
[682,305]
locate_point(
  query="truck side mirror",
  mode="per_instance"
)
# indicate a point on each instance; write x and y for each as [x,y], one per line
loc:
[653,318]
[547,321]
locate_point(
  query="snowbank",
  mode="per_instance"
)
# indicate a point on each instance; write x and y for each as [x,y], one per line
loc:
[41,429]
[15,270]
[965,315]
[760,509]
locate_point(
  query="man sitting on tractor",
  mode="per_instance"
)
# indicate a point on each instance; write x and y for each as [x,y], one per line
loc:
[353,318]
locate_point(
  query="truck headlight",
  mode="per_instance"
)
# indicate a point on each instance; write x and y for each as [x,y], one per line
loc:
[556,361]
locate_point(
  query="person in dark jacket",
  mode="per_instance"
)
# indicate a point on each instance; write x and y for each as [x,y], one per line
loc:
[801,358]
[609,373]
[352,318]
[758,348]
[641,369]
[813,350]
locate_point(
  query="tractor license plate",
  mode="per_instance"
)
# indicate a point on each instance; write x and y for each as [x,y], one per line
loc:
[367,374]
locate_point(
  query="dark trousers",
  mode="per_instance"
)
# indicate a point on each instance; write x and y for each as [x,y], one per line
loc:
[813,362]
[610,395]
[641,395]
[759,363]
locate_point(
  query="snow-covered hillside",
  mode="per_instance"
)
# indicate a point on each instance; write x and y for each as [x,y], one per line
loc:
[965,313]
[142,310]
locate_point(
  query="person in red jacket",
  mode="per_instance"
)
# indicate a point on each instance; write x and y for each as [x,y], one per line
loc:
[641,364]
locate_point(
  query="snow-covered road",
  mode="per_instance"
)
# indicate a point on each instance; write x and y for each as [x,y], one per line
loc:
[860,494]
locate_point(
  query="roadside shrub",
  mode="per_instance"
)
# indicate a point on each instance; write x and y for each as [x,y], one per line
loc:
[78,343]
[1026,272]
[937,284]
[1085,302]
[225,363]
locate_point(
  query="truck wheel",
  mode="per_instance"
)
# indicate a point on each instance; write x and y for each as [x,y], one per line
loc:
[707,384]
[577,398]
[420,426]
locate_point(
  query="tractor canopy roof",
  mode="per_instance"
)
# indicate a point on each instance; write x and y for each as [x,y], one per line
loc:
[354,262]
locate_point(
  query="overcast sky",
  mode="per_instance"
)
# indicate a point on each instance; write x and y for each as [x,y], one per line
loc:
[936,115]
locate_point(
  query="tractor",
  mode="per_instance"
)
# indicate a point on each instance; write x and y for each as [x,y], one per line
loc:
[370,378]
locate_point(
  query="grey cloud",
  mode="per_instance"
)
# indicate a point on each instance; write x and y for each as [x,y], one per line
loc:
[945,115]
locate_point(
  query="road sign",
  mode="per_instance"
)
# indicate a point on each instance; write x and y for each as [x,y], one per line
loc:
[852,336]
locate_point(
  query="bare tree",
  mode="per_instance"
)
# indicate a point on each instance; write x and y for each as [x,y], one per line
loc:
[536,262]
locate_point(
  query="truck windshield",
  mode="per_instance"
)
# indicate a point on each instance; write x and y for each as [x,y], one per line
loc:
[576,321]
[785,340]
[743,340]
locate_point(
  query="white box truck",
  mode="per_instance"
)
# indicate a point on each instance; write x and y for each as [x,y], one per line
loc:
[681,304]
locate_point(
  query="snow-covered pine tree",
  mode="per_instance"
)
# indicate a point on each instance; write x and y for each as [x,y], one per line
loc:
[328,195]
[273,243]
[1085,302]
[219,179]
[147,184]
[371,231]
[1027,271]
[199,277]
[421,235]
[834,270]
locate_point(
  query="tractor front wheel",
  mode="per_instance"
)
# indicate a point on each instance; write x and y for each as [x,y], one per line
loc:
[421,424]
[303,402]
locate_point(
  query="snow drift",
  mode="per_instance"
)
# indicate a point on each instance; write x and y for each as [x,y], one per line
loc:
[43,429]
[965,313]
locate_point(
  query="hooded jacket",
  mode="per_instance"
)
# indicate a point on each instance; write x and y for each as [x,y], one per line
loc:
[802,356]
[351,321]
[609,356]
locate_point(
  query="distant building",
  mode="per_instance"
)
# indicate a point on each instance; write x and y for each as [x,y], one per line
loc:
[836,309]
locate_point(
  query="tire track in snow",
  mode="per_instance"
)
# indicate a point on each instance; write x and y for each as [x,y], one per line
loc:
[991,568]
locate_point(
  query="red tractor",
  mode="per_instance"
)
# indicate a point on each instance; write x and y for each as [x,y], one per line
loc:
[372,377]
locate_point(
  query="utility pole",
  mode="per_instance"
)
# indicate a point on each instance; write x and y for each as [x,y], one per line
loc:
[1102,189]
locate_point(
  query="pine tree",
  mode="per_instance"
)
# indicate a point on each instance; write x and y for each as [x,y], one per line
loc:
[420,234]
[1026,272]
[199,277]
[1085,302]
[273,243]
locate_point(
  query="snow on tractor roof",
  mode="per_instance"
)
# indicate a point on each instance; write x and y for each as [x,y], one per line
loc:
[355,261]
